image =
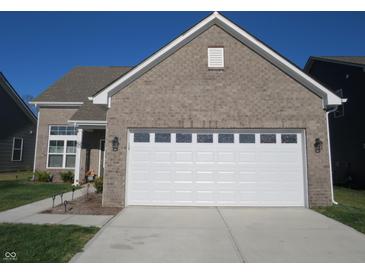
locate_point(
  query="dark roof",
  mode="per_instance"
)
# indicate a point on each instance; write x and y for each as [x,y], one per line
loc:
[80,83]
[90,112]
[351,60]
[7,87]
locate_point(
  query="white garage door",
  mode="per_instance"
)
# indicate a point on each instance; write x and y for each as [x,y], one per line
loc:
[241,168]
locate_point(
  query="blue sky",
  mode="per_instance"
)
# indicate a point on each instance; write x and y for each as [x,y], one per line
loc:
[38,48]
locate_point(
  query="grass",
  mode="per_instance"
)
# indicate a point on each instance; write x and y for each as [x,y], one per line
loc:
[17,191]
[43,243]
[16,176]
[350,209]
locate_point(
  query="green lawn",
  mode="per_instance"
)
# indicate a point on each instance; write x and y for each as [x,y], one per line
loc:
[17,191]
[16,176]
[43,243]
[350,209]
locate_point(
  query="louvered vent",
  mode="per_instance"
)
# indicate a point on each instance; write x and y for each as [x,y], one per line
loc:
[215,58]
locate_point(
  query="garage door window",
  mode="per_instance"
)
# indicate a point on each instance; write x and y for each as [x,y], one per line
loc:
[247,138]
[141,137]
[268,138]
[205,138]
[162,137]
[183,138]
[289,138]
[225,138]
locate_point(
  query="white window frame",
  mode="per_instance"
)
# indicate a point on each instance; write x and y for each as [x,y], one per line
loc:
[212,66]
[63,138]
[21,149]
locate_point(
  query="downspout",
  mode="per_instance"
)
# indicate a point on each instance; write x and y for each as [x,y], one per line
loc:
[329,153]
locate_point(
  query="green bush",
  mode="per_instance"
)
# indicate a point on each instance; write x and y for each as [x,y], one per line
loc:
[67,176]
[98,184]
[42,176]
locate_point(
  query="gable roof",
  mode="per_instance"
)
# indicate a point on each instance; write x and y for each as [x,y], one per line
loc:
[346,60]
[78,84]
[8,88]
[329,98]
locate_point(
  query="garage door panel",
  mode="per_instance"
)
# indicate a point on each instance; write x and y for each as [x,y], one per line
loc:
[161,175]
[204,175]
[185,175]
[247,156]
[204,157]
[240,173]
[163,156]
[226,156]
[226,176]
[184,156]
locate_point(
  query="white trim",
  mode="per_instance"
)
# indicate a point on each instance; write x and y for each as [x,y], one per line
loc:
[329,154]
[87,122]
[305,167]
[78,157]
[58,104]
[127,168]
[101,140]
[329,98]
[21,150]
[36,142]
[63,138]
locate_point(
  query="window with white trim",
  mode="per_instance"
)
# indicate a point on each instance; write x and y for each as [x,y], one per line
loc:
[216,58]
[62,147]
[17,151]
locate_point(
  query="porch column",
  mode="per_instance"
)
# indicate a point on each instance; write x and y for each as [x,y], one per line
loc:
[78,157]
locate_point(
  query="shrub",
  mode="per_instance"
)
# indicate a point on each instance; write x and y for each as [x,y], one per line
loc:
[98,184]
[67,176]
[43,176]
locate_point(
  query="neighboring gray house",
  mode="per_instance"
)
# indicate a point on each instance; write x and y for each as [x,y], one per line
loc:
[346,76]
[18,130]
[215,117]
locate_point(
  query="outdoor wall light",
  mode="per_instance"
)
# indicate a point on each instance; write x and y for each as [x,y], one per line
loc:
[115,143]
[318,145]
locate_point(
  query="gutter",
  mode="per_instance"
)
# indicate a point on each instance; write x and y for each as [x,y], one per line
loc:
[329,152]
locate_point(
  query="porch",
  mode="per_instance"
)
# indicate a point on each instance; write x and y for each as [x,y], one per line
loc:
[90,152]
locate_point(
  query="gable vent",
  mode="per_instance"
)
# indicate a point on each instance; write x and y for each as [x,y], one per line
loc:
[215,58]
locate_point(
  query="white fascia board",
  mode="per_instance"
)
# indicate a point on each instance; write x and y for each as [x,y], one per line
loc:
[329,98]
[58,104]
[87,122]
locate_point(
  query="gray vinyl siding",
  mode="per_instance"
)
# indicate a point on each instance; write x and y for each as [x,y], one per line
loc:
[15,123]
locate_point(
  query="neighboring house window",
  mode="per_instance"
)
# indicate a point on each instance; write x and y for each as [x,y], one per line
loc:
[62,147]
[17,153]
[216,58]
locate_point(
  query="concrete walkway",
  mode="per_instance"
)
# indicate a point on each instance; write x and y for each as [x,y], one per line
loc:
[30,213]
[223,234]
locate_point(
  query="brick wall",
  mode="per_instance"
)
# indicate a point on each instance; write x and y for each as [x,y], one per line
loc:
[50,116]
[181,92]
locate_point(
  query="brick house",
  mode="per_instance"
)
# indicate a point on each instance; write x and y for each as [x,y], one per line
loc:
[215,117]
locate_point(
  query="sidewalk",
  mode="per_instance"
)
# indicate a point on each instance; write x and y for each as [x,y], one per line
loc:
[30,213]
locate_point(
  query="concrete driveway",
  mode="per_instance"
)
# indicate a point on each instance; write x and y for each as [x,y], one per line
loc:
[211,234]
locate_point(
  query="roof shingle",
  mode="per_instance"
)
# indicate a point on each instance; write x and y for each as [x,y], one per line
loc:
[80,83]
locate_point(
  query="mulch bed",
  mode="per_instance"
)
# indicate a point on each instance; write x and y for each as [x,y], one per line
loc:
[86,205]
